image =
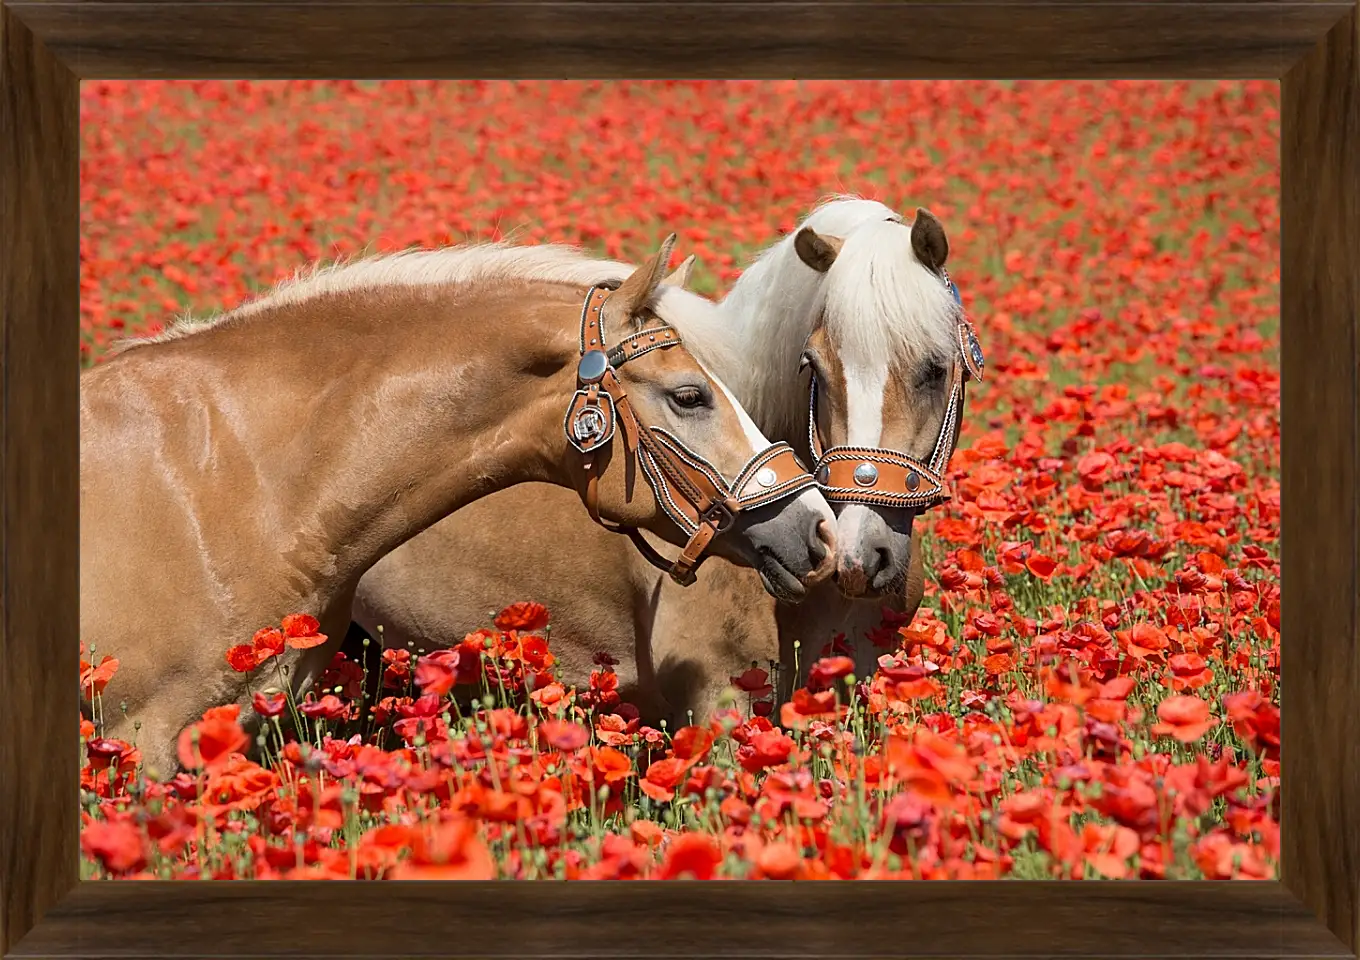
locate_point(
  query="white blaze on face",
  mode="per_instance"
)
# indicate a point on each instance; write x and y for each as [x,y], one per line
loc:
[865,383]
[755,440]
[811,497]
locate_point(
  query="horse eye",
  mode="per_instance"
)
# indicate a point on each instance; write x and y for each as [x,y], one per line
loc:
[688,397]
[932,373]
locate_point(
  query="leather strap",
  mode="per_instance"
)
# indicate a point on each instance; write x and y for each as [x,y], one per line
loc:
[690,490]
[878,477]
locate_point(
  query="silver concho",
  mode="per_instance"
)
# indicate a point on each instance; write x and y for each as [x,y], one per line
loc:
[866,474]
[823,474]
[592,366]
[588,425]
[766,477]
[913,481]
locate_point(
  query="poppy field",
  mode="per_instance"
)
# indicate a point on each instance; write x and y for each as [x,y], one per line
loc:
[1091,687]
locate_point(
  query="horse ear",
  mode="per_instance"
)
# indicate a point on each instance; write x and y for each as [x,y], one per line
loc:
[817,251]
[679,277]
[639,290]
[928,241]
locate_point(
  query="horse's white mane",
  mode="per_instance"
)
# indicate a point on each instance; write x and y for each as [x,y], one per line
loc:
[881,301]
[878,300]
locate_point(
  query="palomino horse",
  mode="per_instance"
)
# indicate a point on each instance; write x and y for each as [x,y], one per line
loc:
[239,470]
[857,299]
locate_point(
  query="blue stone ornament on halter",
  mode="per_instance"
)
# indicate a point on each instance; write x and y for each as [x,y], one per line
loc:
[954,289]
[971,351]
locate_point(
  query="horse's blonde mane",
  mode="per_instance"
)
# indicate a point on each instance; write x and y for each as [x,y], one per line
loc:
[880,301]
[475,263]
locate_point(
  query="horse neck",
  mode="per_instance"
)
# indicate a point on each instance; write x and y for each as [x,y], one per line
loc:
[773,307]
[409,404]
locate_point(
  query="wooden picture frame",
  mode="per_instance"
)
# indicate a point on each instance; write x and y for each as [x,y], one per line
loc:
[1312,46]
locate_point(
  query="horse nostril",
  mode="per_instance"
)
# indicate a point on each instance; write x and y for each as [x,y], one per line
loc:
[822,549]
[877,562]
[824,534]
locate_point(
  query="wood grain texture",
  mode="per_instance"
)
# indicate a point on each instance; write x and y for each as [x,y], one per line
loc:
[852,38]
[845,38]
[685,920]
[1320,482]
[39,465]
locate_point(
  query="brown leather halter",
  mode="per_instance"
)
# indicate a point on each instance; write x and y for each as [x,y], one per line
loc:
[877,477]
[691,491]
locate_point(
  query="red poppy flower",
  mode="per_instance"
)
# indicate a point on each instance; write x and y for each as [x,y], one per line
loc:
[329,707]
[766,749]
[119,846]
[526,616]
[301,631]
[269,704]
[211,742]
[779,861]
[610,765]
[690,856]
[448,851]
[268,642]
[753,681]
[828,670]
[1189,671]
[691,744]
[101,751]
[94,679]
[437,673]
[1183,717]
[243,658]
[662,777]
[1108,849]
[1041,566]
[563,735]
[533,650]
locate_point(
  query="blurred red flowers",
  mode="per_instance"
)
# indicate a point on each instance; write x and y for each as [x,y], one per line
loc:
[1091,686]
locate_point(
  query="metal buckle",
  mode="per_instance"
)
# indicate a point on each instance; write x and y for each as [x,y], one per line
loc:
[720,516]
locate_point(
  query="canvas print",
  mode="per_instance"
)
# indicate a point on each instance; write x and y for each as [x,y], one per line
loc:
[679,480]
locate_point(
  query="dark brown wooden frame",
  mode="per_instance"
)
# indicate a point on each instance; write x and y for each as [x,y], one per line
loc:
[49,46]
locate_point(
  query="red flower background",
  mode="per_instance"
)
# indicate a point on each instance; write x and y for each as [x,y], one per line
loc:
[1091,687]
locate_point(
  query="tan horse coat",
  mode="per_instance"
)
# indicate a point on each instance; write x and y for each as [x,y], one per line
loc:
[258,465]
